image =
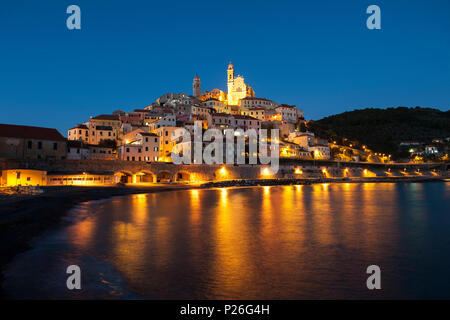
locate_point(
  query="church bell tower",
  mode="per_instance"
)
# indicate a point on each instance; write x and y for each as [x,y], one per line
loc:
[196,87]
[230,77]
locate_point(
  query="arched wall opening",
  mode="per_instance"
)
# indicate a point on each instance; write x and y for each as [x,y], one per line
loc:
[164,176]
[144,177]
[123,177]
[182,176]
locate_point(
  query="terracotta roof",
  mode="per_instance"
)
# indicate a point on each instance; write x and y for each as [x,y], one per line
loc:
[79,126]
[221,114]
[286,106]
[82,145]
[104,128]
[77,144]
[107,117]
[203,107]
[253,98]
[26,132]
[241,117]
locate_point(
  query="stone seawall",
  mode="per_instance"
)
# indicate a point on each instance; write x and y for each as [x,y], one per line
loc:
[287,170]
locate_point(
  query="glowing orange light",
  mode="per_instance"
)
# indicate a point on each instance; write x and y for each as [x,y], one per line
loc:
[265,172]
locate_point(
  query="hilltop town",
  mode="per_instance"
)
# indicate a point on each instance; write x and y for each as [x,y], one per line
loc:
[147,136]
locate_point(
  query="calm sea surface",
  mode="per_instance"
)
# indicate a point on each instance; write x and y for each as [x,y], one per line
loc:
[284,242]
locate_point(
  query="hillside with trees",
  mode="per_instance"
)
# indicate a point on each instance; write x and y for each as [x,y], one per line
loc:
[382,130]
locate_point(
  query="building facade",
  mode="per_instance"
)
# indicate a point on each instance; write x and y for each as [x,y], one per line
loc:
[237,88]
[25,142]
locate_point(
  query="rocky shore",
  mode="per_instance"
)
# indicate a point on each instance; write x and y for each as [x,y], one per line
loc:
[278,182]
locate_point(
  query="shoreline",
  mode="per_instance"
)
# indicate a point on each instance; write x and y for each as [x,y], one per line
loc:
[23,218]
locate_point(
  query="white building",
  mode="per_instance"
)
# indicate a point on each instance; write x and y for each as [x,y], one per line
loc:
[102,127]
[201,111]
[166,120]
[145,147]
[219,120]
[101,153]
[77,150]
[252,102]
[320,152]
[80,132]
[288,113]
[216,105]
[245,122]
[166,142]
[303,139]
[258,113]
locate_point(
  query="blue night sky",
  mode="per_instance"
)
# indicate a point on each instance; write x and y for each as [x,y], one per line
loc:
[318,55]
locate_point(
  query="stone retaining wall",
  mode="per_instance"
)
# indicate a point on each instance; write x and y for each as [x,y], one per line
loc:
[288,169]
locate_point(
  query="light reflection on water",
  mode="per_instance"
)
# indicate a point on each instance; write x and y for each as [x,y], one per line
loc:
[284,242]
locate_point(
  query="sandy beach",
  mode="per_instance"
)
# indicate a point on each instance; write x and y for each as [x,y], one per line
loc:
[24,217]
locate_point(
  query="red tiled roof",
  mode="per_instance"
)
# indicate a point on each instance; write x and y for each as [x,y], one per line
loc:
[241,117]
[253,98]
[286,106]
[148,134]
[107,117]
[79,126]
[26,132]
[77,144]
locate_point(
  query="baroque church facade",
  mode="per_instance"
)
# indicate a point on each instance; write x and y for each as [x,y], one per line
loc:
[237,89]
